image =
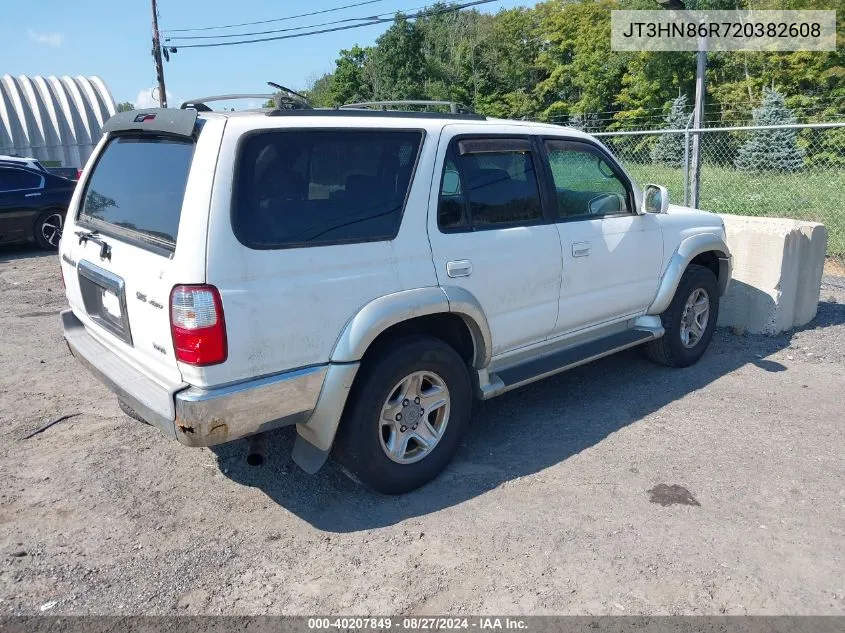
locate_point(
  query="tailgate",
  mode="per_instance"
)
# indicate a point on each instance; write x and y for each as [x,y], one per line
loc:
[136,227]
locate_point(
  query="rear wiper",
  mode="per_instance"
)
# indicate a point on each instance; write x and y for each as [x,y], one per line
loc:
[94,236]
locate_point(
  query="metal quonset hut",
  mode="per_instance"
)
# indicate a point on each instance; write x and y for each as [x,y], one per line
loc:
[56,120]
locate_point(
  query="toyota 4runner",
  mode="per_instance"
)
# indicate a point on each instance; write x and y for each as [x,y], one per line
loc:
[365,274]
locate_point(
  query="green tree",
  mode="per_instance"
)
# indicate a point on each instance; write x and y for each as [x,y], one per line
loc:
[553,61]
[398,62]
[125,106]
[669,148]
[319,91]
[352,79]
[771,150]
[582,73]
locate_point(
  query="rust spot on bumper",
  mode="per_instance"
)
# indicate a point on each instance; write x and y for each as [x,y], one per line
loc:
[202,432]
[218,430]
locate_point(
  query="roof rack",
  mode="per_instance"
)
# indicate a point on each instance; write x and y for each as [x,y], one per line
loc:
[376,114]
[199,104]
[454,108]
[284,99]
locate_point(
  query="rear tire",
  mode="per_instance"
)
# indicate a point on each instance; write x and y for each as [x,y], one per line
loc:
[408,410]
[689,321]
[48,229]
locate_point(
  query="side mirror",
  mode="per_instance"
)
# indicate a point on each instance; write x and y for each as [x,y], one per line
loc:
[655,199]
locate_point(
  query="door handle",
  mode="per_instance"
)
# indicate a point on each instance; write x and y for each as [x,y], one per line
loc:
[459,268]
[31,195]
[581,249]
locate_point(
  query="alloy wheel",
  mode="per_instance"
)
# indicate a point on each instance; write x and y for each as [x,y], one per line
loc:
[414,417]
[694,317]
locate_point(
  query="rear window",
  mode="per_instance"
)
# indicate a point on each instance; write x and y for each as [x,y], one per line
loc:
[18,180]
[138,186]
[317,187]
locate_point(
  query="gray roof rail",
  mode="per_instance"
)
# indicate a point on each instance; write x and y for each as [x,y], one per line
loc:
[199,104]
[454,108]
[284,99]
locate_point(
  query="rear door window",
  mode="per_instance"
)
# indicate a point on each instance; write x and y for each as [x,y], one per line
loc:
[317,187]
[137,188]
[488,183]
[18,180]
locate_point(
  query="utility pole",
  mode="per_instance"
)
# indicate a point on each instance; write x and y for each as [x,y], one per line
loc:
[698,120]
[694,171]
[162,91]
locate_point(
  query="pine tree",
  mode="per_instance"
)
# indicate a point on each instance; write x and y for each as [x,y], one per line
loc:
[669,149]
[771,150]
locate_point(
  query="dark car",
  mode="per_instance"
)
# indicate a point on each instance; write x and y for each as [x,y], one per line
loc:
[32,205]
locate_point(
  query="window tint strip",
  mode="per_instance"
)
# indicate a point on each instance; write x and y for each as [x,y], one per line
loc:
[484,145]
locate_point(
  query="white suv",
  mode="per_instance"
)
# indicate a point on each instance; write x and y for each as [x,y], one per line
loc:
[366,274]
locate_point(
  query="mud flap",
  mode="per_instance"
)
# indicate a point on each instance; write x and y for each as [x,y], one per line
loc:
[307,456]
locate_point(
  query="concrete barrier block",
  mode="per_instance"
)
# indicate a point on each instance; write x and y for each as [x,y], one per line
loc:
[777,272]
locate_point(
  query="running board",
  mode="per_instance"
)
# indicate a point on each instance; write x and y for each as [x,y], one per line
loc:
[539,368]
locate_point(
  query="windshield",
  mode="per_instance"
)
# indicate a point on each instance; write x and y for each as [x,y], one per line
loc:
[137,187]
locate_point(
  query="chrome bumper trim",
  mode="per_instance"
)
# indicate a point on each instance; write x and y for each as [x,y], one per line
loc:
[208,417]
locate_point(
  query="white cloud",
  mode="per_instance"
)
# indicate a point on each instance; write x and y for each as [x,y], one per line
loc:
[50,39]
[148,98]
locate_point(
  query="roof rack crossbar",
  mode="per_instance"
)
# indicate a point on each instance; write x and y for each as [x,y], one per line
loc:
[201,101]
[454,108]
[283,99]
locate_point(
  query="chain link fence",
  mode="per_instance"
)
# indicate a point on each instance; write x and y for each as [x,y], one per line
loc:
[789,171]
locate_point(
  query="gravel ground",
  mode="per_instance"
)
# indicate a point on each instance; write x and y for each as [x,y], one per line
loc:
[546,509]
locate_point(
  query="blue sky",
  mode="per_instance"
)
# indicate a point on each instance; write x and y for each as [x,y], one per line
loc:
[111,39]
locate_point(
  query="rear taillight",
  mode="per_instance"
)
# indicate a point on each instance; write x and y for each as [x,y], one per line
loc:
[78,174]
[197,325]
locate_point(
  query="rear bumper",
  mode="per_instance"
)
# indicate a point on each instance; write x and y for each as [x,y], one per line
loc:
[195,416]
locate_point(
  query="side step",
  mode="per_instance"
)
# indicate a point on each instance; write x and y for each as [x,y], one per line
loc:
[538,368]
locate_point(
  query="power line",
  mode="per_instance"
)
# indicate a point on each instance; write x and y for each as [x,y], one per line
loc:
[289,29]
[420,14]
[289,17]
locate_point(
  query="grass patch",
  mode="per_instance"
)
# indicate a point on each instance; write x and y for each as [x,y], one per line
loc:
[813,195]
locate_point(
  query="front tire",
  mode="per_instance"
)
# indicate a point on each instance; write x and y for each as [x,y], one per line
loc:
[689,321]
[48,229]
[408,410]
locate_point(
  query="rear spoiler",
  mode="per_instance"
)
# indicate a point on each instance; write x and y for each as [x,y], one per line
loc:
[166,120]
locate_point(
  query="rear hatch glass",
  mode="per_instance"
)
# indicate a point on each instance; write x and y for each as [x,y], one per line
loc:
[124,246]
[137,188]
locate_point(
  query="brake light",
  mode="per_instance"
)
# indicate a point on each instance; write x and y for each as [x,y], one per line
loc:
[197,325]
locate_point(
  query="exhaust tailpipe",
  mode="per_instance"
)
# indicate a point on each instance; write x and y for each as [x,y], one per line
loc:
[257,451]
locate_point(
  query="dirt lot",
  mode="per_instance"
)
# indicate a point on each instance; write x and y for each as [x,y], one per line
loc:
[545,509]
